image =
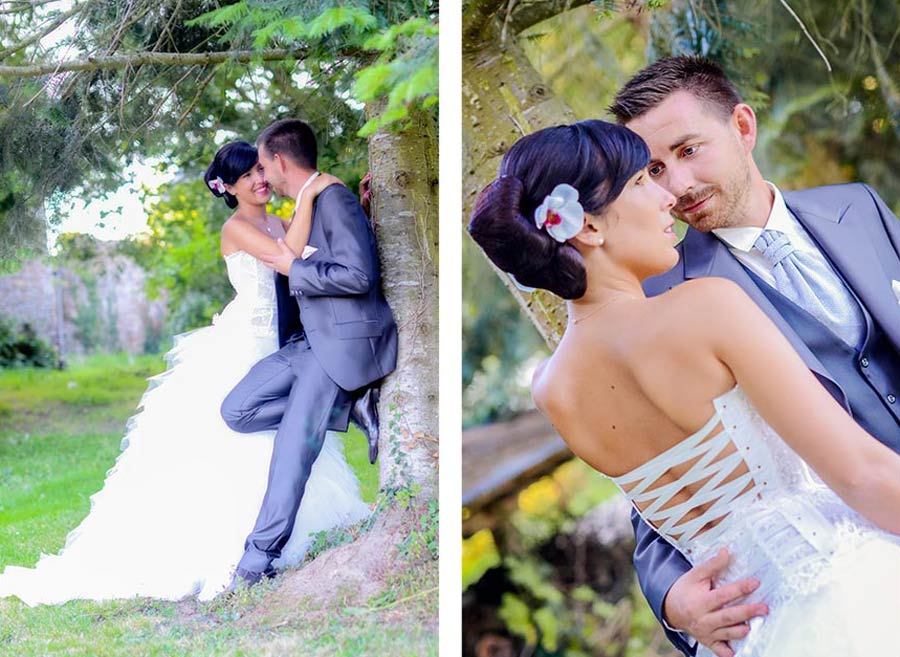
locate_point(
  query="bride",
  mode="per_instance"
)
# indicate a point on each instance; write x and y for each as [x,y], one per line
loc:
[185,491]
[694,403]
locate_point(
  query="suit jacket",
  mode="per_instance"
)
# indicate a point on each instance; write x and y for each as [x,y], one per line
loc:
[337,297]
[861,237]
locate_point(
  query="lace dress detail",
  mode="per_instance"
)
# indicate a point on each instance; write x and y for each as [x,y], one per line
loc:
[255,287]
[779,521]
[184,493]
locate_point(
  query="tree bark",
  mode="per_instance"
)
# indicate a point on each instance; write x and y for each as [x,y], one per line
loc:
[405,214]
[505,99]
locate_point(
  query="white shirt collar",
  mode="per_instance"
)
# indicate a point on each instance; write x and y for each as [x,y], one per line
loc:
[744,237]
[305,185]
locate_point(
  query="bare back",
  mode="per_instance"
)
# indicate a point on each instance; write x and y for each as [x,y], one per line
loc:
[630,383]
[641,377]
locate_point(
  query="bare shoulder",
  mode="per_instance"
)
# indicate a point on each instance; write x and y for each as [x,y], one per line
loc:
[705,290]
[702,304]
[540,388]
[231,225]
[551,386]
[226,236]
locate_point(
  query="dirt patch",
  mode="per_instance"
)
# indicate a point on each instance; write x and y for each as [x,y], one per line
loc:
[346,576]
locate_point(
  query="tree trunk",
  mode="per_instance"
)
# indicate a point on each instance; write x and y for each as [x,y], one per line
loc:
[405,215]
[504,99]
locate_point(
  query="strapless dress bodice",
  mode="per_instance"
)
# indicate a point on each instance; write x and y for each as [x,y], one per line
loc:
[753,495]
[255,286]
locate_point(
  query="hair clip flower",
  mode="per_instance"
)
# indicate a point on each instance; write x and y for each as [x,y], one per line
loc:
[560,214]
[217,185]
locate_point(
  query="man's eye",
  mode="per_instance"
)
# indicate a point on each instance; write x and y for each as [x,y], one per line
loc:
[655,170]
[689,150]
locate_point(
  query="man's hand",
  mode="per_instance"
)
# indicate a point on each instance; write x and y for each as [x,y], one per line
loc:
[692,605]
[281,262]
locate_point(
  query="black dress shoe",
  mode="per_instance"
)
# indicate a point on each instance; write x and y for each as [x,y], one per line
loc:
[364,414]
[248,578]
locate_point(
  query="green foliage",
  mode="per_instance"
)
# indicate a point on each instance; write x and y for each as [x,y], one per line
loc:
[558,592]
[422,541]
[328,540]
[22,347]
[403,36]
[517,616]
[479,555]
[76,133]
[499,345]
[181,254]
[357,19]
[406,71]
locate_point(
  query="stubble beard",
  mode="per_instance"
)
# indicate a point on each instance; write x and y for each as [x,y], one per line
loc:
[730,202]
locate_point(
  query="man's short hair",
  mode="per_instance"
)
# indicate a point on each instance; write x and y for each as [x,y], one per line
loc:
[291,138]
[650,86]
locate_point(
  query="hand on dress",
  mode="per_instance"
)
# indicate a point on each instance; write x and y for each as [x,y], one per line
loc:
[282,261]
[692,605]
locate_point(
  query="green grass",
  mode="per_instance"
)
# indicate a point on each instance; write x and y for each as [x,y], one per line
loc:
[59,434]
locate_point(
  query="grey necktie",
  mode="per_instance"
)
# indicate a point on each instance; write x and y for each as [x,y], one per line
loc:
[813,286]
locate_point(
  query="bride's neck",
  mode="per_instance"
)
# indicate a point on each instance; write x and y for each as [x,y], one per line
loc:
[251,212]
[605,281]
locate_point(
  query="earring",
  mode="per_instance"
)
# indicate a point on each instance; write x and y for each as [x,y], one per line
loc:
[599,241]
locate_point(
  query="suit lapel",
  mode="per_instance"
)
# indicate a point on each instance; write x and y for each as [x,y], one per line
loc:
[705,255]
[842,236]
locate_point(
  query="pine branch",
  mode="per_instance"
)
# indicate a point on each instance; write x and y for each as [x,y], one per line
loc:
[40,34]
[14,7]
[141,58]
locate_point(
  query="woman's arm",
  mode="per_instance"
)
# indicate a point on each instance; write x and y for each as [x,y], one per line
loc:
[861,470]
[298,232]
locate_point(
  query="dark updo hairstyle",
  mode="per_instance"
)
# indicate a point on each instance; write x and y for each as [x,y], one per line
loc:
[231,162]
[595,157]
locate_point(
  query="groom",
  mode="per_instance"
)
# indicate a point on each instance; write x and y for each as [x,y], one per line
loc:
[821,263]
[334,353]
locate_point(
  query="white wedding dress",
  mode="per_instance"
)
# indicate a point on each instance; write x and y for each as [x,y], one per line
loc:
[185,491]
[831,579]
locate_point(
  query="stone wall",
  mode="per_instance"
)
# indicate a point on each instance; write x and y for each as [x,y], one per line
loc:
[99,304]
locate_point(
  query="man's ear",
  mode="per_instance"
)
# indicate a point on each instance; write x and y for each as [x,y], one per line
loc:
[280,162]
[744,120]
[591,235]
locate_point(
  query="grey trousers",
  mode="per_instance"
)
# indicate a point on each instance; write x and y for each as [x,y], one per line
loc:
[288,391]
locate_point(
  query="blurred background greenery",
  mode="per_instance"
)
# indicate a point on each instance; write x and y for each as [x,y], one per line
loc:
[823,79]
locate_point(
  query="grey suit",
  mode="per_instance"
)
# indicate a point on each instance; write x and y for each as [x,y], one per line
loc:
[343,340]
[861,237]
